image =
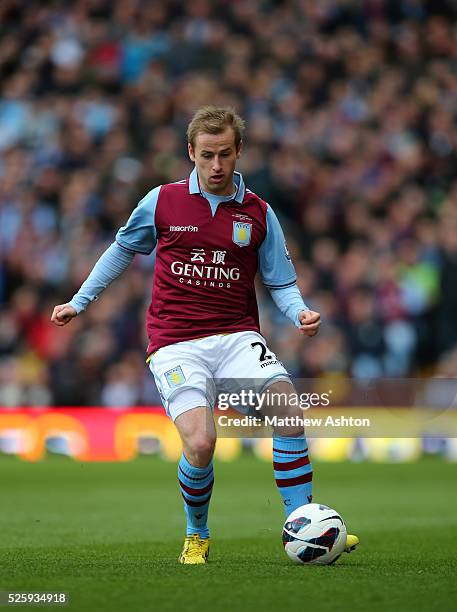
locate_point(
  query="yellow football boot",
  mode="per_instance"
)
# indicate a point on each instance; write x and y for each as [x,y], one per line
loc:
[195,550]
[352,542]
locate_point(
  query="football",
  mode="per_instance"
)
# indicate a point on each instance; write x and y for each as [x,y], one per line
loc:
[314,534]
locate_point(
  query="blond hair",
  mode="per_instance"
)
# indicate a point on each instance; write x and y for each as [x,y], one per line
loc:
[214,120]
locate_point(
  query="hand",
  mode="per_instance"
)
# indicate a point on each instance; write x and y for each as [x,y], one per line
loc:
[63,314]
[310,322]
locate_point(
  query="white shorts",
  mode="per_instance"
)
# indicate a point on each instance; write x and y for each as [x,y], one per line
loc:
[192,373]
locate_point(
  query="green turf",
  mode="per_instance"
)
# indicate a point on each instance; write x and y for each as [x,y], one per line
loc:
[109,534]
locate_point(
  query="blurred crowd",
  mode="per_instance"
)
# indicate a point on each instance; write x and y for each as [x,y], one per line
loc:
[351,111]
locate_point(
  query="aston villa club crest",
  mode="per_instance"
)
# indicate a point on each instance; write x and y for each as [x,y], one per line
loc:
[175,377]
[242,233]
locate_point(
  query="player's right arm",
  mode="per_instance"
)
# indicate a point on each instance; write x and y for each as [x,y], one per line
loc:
[139,235]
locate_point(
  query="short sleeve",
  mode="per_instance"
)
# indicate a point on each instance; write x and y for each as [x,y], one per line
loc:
[275,265]
[140,234]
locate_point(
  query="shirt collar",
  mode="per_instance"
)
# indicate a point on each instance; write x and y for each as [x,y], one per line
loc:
[194,185]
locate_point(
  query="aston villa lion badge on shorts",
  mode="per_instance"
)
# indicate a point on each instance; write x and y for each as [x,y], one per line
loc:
[242,233]
[175,377]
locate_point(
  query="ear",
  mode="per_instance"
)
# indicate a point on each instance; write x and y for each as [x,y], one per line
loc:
[240,148]
[190,150]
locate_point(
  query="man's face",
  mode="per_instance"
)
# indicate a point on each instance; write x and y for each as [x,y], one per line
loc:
[215,158]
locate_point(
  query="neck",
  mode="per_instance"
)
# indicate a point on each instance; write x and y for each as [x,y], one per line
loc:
[227,192]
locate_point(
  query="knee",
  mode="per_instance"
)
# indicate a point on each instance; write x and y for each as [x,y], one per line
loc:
[200,449]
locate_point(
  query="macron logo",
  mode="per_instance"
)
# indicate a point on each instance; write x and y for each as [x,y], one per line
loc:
[183,228]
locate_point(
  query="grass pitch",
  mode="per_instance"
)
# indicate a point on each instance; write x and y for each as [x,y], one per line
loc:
[110,534]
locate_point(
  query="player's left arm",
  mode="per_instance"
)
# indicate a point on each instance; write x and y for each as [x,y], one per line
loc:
[278,275]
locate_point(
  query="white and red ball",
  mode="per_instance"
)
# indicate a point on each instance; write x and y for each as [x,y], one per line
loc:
[314,534]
